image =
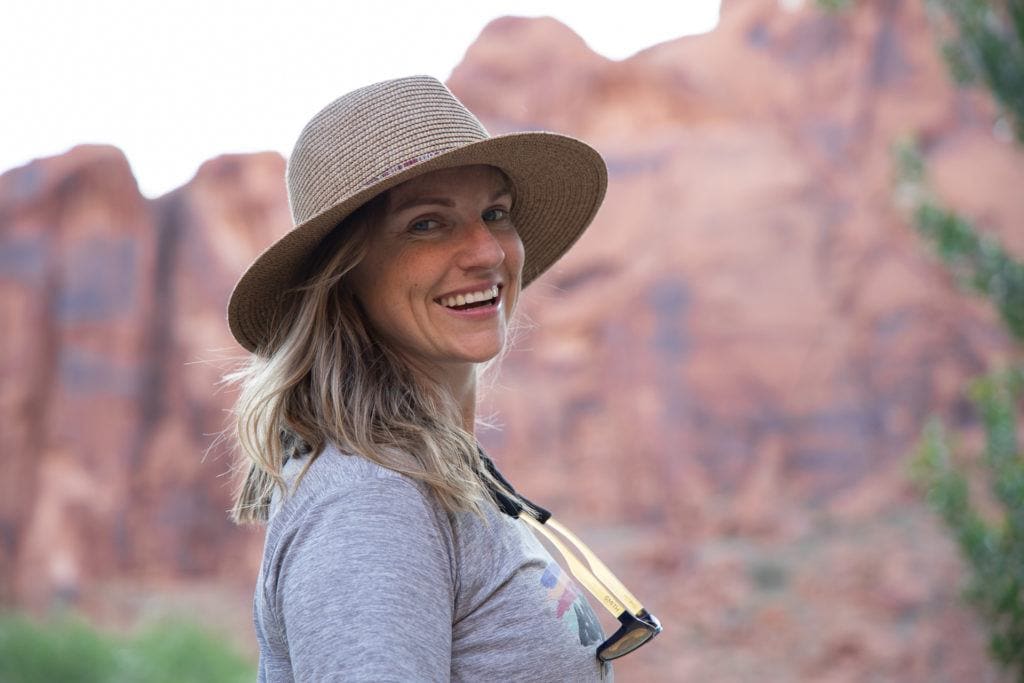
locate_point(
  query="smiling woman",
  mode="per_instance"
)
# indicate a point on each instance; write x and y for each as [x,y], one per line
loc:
[394,549]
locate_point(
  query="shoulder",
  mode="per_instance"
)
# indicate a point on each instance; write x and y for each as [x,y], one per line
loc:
[347,506]
[356,539]
[343,490]
[334,473]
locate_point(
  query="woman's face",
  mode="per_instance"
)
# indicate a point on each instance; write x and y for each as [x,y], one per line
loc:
[442,271]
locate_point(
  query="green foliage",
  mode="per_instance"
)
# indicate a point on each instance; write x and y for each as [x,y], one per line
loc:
[984,45]
[179,652]
[64,651]
[69,650]
[983,42]
[994,548]
[979,261]
[992,545]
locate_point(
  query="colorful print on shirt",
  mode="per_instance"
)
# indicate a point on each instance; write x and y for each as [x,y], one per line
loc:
[570,605]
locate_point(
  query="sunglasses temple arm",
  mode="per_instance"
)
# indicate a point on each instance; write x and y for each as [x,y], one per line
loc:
[600,581]
[579,570]
[599,568]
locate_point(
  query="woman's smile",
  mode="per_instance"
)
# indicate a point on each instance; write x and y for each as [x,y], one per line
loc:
[473,299]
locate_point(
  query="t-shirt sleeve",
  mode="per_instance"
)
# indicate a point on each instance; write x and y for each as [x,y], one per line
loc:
[364,587]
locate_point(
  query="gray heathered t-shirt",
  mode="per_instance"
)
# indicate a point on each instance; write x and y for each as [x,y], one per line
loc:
[366,578]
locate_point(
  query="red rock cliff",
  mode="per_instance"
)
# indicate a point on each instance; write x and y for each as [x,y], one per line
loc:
[719,385]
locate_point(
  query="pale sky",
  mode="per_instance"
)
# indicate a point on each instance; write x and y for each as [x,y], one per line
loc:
[176,82]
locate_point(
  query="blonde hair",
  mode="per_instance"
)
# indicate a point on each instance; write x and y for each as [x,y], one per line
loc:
[326,377]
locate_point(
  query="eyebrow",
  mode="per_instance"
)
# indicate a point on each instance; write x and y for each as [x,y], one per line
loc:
[417,200]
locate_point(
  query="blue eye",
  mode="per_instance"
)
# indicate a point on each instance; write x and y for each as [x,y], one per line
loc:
[423,225]
[496,214]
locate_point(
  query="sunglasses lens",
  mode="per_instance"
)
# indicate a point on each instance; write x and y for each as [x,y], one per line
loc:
[632,634]
[630,641]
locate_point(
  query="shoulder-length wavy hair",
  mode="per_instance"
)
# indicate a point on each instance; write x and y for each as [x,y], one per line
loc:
[325,376]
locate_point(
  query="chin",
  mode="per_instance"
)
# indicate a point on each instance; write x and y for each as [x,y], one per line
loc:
[482,355]
[481,349]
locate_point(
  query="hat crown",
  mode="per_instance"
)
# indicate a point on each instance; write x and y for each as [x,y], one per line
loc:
[372,133]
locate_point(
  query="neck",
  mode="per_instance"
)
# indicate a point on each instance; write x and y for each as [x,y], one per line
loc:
[466,398]
[460,382]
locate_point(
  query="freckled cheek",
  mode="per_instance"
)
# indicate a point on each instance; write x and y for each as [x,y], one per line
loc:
[410,291]
[416,277]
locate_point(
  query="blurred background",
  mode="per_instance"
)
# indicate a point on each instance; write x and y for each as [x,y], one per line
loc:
[753,387]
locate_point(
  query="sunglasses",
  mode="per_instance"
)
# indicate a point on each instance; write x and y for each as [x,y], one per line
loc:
[637,625]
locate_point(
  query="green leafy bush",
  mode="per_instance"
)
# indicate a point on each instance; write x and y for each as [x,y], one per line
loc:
[67,650]
[70,651]
[992,544]
[983,43]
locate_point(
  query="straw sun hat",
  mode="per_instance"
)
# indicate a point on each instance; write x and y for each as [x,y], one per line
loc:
[377,137]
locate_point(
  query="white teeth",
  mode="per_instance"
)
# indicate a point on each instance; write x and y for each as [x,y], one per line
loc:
[471,298]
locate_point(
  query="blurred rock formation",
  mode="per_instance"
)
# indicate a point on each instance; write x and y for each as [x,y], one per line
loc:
[719,386]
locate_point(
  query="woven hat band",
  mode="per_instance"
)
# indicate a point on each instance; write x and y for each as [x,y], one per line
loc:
[371,134]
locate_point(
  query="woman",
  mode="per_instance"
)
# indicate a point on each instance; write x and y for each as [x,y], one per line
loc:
[394,549]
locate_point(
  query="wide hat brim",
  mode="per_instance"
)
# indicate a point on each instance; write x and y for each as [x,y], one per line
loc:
[559,184]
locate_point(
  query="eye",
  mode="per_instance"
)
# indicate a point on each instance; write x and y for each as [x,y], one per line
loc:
[423,225]
[496,214]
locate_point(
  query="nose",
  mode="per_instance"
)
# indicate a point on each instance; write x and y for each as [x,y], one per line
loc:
[479,248]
